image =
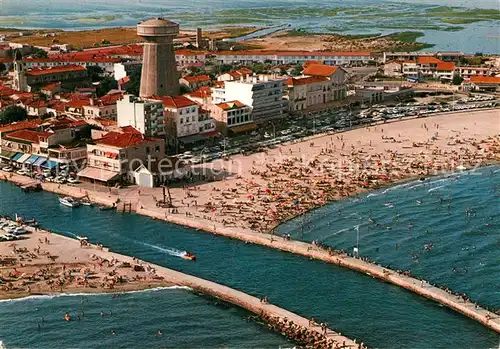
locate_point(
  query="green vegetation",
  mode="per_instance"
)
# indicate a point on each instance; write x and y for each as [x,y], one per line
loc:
[39,53]
[361,36]
[94,19]
[457,12]
[457,79]
[106,84]
[460,20]
[12,114]
[406,36]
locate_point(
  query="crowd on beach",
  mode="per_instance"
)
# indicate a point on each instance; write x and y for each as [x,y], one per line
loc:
[34,268]
[306,337]
[282,187]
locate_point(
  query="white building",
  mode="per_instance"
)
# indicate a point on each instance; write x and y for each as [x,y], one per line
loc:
[121,70]
[293,57]
[147,116]
[263,95]
[186,118]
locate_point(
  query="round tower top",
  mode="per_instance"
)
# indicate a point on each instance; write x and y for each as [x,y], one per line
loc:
[157,27]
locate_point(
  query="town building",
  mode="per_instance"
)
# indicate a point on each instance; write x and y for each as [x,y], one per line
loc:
[185,58]
[481,83]
[30,80]
[195,82]
[263,95]
[413,56]
[336,76]
[239,74]
[145,115]
[393,69]
[103,107]
[232,117]
[115,156]
[186,121]
[293,57]
[468,71]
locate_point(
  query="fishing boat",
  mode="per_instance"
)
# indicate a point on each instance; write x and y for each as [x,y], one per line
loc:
[189,256]
[69,201]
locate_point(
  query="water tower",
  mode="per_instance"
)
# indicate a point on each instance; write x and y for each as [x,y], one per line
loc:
[159,72]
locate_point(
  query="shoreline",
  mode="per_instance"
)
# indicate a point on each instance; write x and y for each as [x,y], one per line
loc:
[278,319]
[243,233]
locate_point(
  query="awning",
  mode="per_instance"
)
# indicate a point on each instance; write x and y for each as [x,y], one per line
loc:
[244,128]
[191,139]
[50,164]
[98,174]
[31,160]
[5,154]
[23,158]
[40,161]
[214,133]
[17,156]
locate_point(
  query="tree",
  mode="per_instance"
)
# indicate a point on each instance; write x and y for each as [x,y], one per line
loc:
[297,70]
[135,82]
[457,79]
[184,89]
[39,53]
[3,67]
[106,84]
[95,72]
[12,114]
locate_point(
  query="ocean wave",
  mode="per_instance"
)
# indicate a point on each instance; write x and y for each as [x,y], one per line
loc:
[372,194]
[52,296]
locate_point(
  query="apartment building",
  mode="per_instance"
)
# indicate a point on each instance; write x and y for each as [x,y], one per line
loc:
[145,115]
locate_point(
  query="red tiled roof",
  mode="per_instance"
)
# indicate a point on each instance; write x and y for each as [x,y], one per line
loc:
[231,105]
[28,135]
[78,103]
[428,60]
[122,140]
[67,122]
[202,92]
[186,52]
[105,122]
[39,103]
[6,60]
[51,87]
[175,102]
[197,78]
[320,70]
[219,84]
[54,70]
[124,80]
[305,81]
[291,53]
[110,98]
[446,66]
[21,125]
[130,129]
[479,79]
[308,63]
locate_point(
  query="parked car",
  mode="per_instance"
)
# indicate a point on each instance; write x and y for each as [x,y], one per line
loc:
[73,180]
[7,169]
[22,172]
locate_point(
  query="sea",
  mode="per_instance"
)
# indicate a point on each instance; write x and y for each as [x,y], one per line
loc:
[353,17]
[445,229]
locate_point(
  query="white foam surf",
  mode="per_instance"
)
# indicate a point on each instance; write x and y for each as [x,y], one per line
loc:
[52,296]
[168,250]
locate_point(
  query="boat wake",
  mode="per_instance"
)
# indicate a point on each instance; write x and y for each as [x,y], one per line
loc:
[47,296]
[436,188]
[168,250]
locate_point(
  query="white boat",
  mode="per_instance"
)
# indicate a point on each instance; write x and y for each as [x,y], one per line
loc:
[69,201]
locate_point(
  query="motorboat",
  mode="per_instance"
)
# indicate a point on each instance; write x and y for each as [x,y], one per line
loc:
[69,201]
[189,256]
